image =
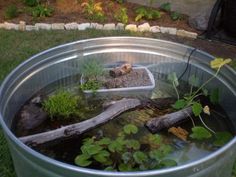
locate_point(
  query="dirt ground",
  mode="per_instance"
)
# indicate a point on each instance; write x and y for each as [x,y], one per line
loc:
[66,11]
[213,47]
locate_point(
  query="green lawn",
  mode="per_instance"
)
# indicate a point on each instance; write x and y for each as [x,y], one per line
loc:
[17,46]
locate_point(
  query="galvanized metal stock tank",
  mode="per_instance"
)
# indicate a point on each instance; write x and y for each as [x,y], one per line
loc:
[63,61]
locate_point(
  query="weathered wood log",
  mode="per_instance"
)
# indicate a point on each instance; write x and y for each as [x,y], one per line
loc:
[122,70]
[166,121]
[68,131]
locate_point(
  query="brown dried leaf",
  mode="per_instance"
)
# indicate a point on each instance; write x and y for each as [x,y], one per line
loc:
[179,132]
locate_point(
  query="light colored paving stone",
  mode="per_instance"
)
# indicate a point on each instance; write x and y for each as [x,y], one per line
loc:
[109,26]
[31,28]
[120,26]
[155,29]
[131,27]
[168,30]
[188,34]
[96,26]
[11,26]
[22,25]
[144,27]
[2,25]
[58,26]
[43,26]
[84,26]
[71,26]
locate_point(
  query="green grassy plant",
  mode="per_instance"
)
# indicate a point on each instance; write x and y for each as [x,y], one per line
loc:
[11,12]
[62,104]
[31,3]
[121,15]
[92,70]
[93,11]
[176,16]
[41,11]
[147,13]
[166,7]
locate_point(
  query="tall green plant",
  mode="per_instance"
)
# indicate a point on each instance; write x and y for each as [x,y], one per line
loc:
[191,99]
[147,13]
[121,15]
[93,10]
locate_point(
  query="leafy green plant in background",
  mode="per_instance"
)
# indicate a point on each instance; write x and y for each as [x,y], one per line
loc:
[121,15]
[93,11]
[192,100]
[166,7]
[120,1]
[31,3]
[62,104]
[41,11]
[173,14]
[176,16]
[124,153]
[147,13]
[11,12]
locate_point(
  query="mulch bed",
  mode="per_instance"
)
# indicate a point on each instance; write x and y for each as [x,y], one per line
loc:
[66,11]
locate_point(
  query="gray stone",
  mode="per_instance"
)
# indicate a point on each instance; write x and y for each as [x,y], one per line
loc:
[168,30]
[99,26]
[131,27]
[172,31]
[2,25]
[84,26]
[11,26]
[144,27]
[188,34]
[109,26]
[155,29]
[58,26]
[96,26]
[199,22]
[120,26]
[22,25]
[43,26]
[31,28]
[71,26]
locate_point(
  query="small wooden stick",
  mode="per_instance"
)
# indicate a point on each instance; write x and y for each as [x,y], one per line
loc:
[166,121]
[122,70]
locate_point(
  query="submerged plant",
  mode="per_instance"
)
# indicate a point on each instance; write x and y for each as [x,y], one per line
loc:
[124,153]
[191,99]
[62,104]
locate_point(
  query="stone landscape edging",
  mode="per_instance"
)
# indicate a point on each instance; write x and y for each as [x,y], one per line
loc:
[145,27]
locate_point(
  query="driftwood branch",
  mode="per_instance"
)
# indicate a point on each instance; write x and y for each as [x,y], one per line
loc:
[166,121]
[122,70]
[111,112]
